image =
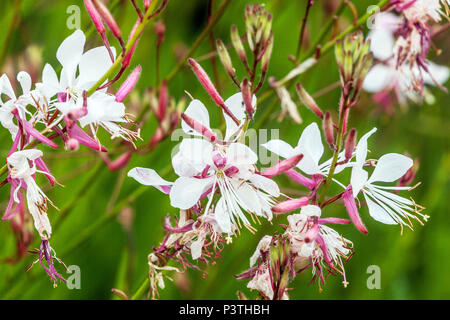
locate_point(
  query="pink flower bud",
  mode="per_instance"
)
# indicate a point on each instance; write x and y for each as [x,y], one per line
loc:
[312,233]
[128,85]
[350,143]
[283,166]
[328,129]
[95,16]
[72,144]
[290,205]
[119,163]
[163,100]
[108,18]
[206,82]
[160,29]
[298,177]
[352,210]
[247,97]
[198,127]
[147,4]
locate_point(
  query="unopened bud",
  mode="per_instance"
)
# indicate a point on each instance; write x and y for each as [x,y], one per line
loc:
[198,127]
[328,129]
[108,18]
[147,4]
[225,58]
[247,97]
[206,82]
[266,56]
[160,29]
[283,166]
[290,205]
[237,44]
[95,16]
[308,101]
[128,85]
[350,143]
[72,144]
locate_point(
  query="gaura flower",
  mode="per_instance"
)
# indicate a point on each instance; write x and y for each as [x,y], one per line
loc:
[21,176]
[386,207]
[311,147]
[206,167]
[404,79]
[79,73]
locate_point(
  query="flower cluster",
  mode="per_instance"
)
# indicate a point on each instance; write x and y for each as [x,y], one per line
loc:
[401,44]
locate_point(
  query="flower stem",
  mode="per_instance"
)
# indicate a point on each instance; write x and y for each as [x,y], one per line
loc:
[142,290]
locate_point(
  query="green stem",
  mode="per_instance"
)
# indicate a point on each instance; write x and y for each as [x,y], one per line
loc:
[14,21]
[142,290]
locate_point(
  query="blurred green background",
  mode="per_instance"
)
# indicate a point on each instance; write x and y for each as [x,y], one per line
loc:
[413,265]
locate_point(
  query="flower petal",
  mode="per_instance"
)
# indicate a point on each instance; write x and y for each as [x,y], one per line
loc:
[150,177]
[222,216]
[235,104]
[239,154]
[378,213]
[267,185]
[70,52]
[93,65]
[391,167]
[310,145]
[378,78]
[358,179]
[197,111]
[186,191]
[279,147]
[361,148]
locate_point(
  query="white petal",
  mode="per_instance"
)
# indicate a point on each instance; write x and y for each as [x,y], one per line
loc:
[358,179]
[25,81]
[70,52]
[378,213]
[235,104]
[196,249]
[378,78]
[391,167]
[186,191]
[267,185]
[197,152]
[6,88]
[93,65]
[197,111]
[222,216]
[439,73]
[310,145]
[382,43]
[148,177]
[50,82]
[279,147]
[183,167]
[239,154]
[311,210]
[361,148]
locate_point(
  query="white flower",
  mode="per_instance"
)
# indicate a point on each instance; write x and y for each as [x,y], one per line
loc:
[19,168]
[204,168]
[423,10]
[311,146]
[404,79]
[384,206]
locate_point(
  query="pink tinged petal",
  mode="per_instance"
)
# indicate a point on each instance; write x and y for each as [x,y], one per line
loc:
[279,147]
[36,134]
[298,177]
[75,132]
[290,205]
[219,161]
[324,249]
[186,191]
[9,213]
[196,248]
[128,85]
[150,177]
[390,167]
[378,78]
[96,19]
[15,143]
[352,210]
[43,167]
[334,220]
[283,166]
[378,213]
